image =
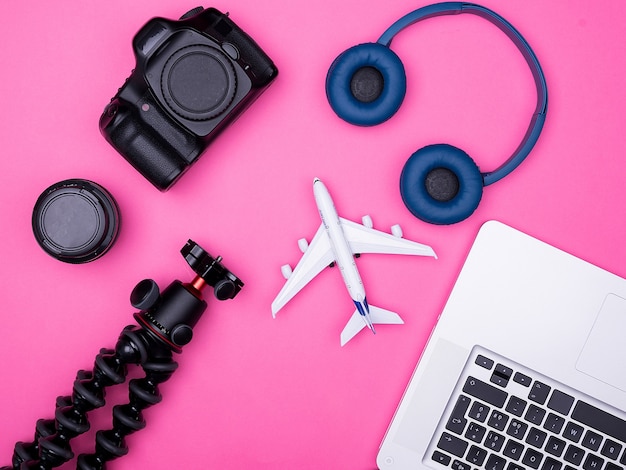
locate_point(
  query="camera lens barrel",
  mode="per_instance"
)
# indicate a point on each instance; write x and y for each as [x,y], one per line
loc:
[76,221]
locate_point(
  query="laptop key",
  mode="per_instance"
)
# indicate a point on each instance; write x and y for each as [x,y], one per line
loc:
[611,449]
[483,361]
[457,421]
[458,465]
[475,432]
[535,414]
[485,392]
[536,437]
[498,420]
[515,466]
[452,444]
[539,392]
[517,429]
[561,402]
[479,412]
[574,455]
[476,455]
[573,432]
[495,462]
[555,446]
[522,379]
[513,449]
[532,458]
[501,375]
[551,464]
[516,406]
[593,462]
[441,458]
[554,423]
[494,441]
[592,440]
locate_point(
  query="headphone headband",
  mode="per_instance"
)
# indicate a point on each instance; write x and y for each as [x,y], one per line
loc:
[537,121]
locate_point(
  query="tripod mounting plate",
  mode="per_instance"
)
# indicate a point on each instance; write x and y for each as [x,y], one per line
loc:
[225,284]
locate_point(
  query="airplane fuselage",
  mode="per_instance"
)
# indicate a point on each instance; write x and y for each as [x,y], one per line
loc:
[344,258]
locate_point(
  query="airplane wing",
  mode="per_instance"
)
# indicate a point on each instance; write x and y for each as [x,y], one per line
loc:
[317,256]
[368,240]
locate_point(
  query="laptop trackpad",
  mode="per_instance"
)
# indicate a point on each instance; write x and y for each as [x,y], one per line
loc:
[604,353]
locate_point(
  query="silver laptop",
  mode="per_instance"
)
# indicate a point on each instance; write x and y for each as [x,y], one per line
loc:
[526,368]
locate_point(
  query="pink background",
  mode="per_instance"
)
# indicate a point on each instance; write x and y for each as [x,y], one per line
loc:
[252,392]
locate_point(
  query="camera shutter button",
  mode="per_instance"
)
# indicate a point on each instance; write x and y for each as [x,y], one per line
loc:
[230,50]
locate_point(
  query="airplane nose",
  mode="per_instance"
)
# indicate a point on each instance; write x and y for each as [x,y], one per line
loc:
[315,180]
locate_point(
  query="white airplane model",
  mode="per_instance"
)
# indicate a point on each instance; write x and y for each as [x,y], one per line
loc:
[338,241]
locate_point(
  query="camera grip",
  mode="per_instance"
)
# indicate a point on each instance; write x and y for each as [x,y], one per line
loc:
[141,134]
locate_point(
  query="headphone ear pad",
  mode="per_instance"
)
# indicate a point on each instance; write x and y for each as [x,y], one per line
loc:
[441,184]
[380,95]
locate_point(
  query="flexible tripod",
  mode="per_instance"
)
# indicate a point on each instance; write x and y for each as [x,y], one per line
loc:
[165,324]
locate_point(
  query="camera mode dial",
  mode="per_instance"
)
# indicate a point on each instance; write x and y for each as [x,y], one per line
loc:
[192,12]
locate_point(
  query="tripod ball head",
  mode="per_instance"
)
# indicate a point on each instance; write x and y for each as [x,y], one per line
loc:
[171,315]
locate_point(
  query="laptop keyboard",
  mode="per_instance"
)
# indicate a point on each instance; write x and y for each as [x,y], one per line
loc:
[505,417]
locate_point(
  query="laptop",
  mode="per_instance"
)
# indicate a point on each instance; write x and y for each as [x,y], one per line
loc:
[525,369]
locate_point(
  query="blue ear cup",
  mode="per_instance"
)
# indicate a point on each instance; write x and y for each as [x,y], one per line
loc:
[440,184]
[366,84]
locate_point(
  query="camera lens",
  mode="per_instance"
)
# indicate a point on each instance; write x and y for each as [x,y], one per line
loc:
[75,221]
[198,82]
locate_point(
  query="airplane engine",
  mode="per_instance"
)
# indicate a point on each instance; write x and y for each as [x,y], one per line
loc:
[303,245]
[396,230]
[286,270]
[367,221]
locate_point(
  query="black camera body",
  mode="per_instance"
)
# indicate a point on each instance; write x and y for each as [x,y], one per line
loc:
[193,77]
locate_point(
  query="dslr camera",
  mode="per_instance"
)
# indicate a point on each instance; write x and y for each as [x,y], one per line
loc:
[193,77]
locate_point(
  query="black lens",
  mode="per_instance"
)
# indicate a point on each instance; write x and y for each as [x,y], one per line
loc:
[76,221]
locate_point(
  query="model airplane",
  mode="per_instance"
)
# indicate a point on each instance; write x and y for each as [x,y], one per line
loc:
[338,241]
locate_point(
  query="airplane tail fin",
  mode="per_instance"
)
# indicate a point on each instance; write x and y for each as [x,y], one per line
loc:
[379,316]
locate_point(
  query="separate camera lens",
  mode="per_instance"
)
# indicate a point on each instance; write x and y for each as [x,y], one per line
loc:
[75,221]
[198,82]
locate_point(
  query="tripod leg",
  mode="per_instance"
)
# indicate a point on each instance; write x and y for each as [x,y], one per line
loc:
[51,445]
[128,418]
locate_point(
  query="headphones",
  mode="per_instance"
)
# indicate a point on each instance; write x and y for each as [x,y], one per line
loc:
[439,184]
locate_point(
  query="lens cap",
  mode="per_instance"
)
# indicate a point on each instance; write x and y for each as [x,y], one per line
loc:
[198,82]
[76,221]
